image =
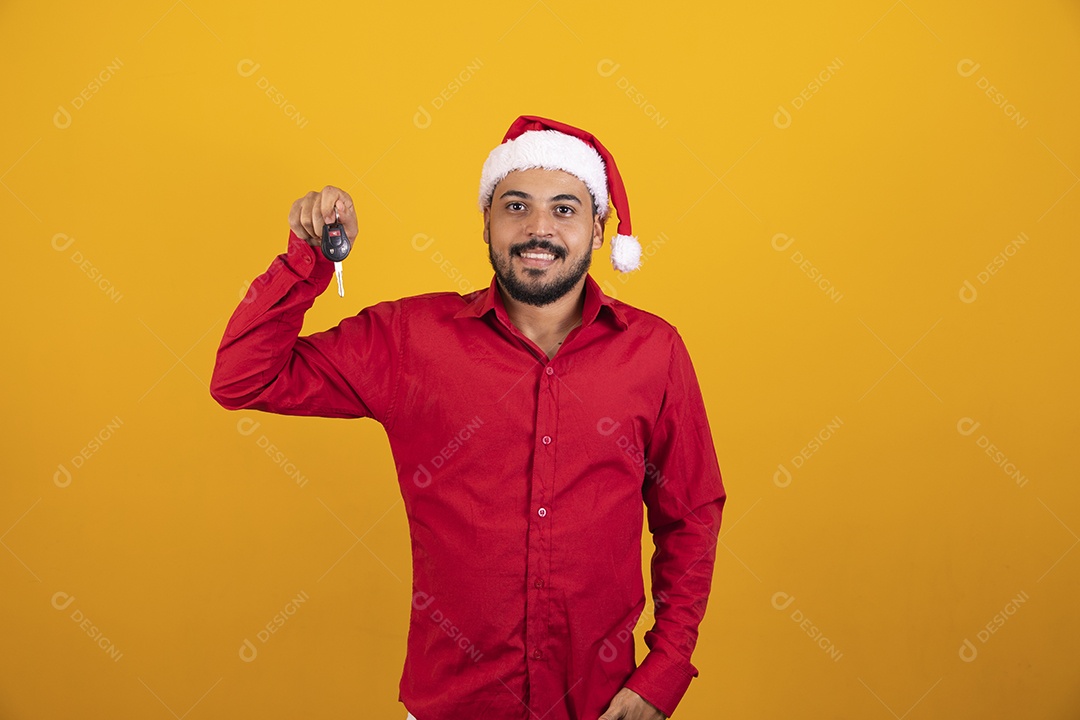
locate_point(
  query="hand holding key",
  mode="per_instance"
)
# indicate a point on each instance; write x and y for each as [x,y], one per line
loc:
[310,215]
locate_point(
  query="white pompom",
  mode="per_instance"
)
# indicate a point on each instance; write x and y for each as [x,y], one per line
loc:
[625,253]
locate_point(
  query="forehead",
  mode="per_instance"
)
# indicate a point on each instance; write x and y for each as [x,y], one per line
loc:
[541,182]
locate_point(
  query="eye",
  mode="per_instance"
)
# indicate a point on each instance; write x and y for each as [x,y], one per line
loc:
[515,206]
[564,210]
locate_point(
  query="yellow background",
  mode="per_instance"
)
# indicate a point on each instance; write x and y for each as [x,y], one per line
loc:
[896,177]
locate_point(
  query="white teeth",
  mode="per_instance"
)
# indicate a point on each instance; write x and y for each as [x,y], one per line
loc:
[538,256]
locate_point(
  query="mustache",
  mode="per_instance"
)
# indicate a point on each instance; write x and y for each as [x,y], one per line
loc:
[537,244]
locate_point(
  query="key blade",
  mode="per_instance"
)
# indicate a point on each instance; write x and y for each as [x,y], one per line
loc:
[340,282]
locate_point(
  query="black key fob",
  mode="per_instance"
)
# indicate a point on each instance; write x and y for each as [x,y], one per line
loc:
[335,242]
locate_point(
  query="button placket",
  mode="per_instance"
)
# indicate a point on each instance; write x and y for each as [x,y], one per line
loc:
[542,491]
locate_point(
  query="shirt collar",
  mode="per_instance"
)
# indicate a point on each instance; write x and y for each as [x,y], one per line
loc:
[481,302]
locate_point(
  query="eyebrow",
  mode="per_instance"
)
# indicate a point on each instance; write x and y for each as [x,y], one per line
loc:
[526,196]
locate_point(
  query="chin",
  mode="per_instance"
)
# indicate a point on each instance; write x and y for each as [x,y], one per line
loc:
[540,286]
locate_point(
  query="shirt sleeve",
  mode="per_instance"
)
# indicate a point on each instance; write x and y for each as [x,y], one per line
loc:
[348,371]
[684,495]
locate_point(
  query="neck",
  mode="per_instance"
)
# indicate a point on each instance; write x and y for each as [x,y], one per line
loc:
[549,325]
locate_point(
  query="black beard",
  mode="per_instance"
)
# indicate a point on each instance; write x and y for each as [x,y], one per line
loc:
[544,294]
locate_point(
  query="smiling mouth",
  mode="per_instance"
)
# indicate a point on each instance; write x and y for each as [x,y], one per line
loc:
[537,255]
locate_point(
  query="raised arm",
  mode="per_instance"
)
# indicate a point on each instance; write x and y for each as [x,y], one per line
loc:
[263,364]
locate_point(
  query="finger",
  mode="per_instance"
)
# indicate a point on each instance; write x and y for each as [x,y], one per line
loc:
[307,221]
[347,214]
[339,207]
[300,219]
[294,220]
[317,213]
[328,199]
[321,212]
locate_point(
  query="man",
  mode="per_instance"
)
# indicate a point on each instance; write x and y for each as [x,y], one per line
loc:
[528,421]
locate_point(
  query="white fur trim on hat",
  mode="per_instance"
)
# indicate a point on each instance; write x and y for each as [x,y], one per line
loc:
[550,150]
[625,253]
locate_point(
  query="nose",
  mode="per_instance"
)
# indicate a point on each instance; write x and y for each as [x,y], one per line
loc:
[540,224]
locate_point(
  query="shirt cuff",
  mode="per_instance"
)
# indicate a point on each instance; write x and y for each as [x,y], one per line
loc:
[661,681]
[305,260]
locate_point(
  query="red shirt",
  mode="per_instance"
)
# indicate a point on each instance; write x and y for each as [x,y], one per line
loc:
[523,480]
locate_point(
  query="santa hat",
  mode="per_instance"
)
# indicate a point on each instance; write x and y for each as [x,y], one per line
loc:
[535,142]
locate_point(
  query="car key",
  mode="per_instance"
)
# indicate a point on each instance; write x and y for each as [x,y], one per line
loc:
[336,247]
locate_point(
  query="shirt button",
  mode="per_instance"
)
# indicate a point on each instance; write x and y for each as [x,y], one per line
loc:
[537,654]
[550,371]
[542,512]
[546,439]
[539,583]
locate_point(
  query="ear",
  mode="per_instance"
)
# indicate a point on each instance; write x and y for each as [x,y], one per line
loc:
[487,225]
[598,232]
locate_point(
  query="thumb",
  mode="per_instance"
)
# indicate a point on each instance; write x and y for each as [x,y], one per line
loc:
[345,213]
[611,714]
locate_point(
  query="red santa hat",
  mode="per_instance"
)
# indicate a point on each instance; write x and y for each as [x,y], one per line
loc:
[536,142]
